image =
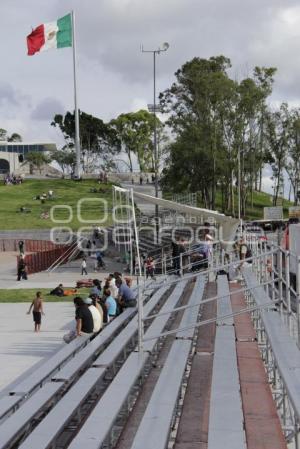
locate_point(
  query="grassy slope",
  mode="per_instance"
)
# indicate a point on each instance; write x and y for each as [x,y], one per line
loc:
[69,192]
[65,191]
[260,200]
[28,294]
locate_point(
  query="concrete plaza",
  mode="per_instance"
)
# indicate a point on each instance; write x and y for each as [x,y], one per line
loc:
[21,349]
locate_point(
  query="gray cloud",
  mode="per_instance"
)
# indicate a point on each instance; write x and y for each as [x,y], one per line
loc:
[8,95]
[46,109]
[114,76]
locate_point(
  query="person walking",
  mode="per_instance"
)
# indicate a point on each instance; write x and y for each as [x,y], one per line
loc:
[22,268]
[84,267]
[149,265]
[175,256]
[37,312]
[21,246]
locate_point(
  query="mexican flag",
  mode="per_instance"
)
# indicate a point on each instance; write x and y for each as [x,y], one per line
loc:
[51,35]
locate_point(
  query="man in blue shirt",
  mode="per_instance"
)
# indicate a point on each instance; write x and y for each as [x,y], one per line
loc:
[126,297]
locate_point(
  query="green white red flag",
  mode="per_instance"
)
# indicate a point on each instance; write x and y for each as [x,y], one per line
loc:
[56,34]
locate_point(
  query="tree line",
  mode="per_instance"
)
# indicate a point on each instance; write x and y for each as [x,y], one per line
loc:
[102,143]
[217,121]
[212,121]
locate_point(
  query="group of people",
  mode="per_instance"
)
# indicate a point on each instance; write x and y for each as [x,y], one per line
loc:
[45,196]
[198,257]
[146,179]
[13,179]
[102,178]
[99,263]
[101,306]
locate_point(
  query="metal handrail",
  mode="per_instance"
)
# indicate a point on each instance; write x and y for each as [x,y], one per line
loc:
[213,320]
[73,249]
[204,301]
[52,266]
[216,268]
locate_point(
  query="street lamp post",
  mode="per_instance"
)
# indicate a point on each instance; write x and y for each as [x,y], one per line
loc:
[154,109]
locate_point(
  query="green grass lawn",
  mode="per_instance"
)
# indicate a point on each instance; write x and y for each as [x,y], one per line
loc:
[260,200]
[28,294]
[66,192]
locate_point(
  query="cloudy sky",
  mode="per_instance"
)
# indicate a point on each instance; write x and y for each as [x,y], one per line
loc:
[113,75]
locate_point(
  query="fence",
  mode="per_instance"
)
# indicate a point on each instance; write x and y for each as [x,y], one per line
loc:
[41,260]
[30,246]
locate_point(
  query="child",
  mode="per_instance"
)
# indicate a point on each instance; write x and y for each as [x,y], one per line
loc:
[83,267]
[37,305]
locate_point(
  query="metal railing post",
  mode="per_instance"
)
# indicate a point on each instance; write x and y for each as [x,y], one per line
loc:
[272,272]
[259,262]
[265,267]
[279,270]
[181,267]
[287,286]
[140,319]
[298,299]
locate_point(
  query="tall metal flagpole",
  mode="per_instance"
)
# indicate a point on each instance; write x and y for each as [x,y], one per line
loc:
[77,137]
[139,279]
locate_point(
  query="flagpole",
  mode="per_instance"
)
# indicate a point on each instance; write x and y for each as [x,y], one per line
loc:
[77,138]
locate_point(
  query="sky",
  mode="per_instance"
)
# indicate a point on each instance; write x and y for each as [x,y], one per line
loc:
[114,76]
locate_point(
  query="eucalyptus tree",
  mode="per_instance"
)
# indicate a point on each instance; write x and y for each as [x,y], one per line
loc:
[278,125]
[292,164]
[98,140]
[135,132]
[213,119]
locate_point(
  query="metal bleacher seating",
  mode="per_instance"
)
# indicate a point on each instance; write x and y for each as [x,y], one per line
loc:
[154,429]
[71,358]
[284,348]
[21,419]
[96,430]
[36,379]
[46,432]
[226,417]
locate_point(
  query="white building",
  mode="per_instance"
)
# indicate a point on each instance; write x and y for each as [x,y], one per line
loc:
[12,155]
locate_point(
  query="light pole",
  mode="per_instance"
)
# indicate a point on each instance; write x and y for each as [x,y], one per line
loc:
[154,108]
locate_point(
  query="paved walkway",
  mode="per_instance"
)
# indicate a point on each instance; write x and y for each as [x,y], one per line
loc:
[67,274]
[21,348]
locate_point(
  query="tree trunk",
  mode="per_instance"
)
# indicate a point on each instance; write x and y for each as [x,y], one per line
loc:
[130,160]
[232,194]
[260,179]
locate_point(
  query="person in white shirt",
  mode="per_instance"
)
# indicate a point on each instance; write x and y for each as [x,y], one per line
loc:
[97,318]
[84,267]
[112,286]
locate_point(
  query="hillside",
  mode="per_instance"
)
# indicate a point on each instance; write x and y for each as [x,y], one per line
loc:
[260,200]
[66,192]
